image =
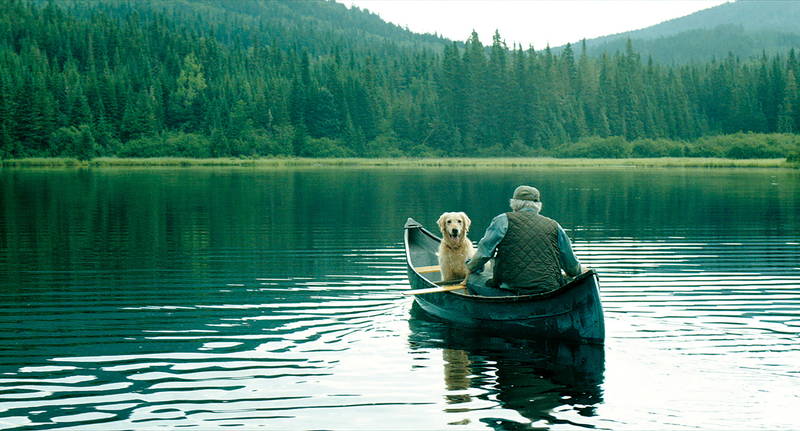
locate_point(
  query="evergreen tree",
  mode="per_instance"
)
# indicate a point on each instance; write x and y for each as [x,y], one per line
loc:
[787,114]
[323,118]
[190,84]
[450,88]
[139,118]
[474,94]
[35,115]
[7,124]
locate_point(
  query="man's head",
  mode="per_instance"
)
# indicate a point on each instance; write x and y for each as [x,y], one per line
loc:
[526,197]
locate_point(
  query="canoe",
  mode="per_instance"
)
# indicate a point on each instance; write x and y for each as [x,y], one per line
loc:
[572,312]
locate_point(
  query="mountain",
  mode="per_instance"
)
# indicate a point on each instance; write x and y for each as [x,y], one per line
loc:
[314,25]
[312,78]
[745,29]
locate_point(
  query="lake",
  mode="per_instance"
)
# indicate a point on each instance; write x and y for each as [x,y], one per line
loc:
[273,298]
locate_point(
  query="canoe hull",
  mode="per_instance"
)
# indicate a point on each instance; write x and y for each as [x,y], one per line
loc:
[573,312]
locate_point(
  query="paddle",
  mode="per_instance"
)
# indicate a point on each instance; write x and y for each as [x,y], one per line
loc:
[444,286]
[435,289]
[427,269]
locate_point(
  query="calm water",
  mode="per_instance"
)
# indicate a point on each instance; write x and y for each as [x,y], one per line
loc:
[138,299]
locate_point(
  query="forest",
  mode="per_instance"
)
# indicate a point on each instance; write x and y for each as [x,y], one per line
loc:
[264,78]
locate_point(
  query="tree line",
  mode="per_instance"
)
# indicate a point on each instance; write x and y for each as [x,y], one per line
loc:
[129,80]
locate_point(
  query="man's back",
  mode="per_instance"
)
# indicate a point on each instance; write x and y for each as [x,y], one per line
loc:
[527,257]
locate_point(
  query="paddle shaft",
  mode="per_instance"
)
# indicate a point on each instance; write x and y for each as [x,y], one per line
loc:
[435,289]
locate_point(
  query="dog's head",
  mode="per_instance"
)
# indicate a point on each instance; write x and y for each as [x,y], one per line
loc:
[454,226]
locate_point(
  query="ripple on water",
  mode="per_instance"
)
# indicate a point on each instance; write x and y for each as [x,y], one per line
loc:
[298,352]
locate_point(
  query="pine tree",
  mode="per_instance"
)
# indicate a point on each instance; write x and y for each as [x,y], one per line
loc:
[297,105]
[323,119]
[220,146]
[450,86]
[190,84]
[35,116]
[139,118]
[793,66]
[474,96]
[7,124]
[787,112]
[363,109]
[80,112]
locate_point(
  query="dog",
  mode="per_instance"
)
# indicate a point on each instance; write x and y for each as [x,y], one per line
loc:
[455,247]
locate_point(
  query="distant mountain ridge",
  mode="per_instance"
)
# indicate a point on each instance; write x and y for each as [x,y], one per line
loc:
[325,15]
[743,28]
[314,25]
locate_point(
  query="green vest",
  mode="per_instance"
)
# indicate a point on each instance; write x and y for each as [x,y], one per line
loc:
[527,257]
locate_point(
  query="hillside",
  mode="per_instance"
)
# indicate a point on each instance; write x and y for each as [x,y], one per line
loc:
[746,29]
[314,25]
[216,78]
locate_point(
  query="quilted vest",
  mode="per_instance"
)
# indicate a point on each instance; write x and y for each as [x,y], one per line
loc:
[527,257]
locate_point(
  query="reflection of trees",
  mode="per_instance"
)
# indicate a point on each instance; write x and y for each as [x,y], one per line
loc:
[142,218]
[684,202]
[533,377]
[147,218]
[190,219]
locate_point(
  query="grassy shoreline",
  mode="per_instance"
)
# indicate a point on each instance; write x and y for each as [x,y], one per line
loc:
[663,162]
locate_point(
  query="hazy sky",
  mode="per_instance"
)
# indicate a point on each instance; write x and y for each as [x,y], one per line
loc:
[529,22]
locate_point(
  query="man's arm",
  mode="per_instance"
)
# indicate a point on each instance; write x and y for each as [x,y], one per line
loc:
[486,246]
[566,256]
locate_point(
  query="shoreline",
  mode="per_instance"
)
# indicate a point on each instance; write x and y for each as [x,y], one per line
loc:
[522,162]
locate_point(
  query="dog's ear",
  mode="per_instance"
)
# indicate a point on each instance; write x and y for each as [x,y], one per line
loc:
[441,220]
[467,222]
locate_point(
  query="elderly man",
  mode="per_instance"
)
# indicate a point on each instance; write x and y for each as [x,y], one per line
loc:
[531,250]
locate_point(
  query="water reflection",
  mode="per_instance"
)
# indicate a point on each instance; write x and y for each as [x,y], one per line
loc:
[209,298]
[545,382]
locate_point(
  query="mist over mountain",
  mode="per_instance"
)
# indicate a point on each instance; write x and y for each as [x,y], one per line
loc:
[744,29]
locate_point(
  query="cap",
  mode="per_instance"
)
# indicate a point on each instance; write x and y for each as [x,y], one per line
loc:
[526,193]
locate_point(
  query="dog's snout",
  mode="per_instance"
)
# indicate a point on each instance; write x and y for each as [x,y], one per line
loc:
[454,232]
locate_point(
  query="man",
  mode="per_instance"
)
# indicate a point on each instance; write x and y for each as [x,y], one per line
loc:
[531,250]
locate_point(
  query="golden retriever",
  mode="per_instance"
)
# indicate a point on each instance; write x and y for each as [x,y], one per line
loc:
[455,247]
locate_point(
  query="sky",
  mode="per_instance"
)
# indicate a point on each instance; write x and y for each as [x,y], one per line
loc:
[534,23]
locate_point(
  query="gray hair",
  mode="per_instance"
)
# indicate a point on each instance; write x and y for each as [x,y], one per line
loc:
[518,204]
